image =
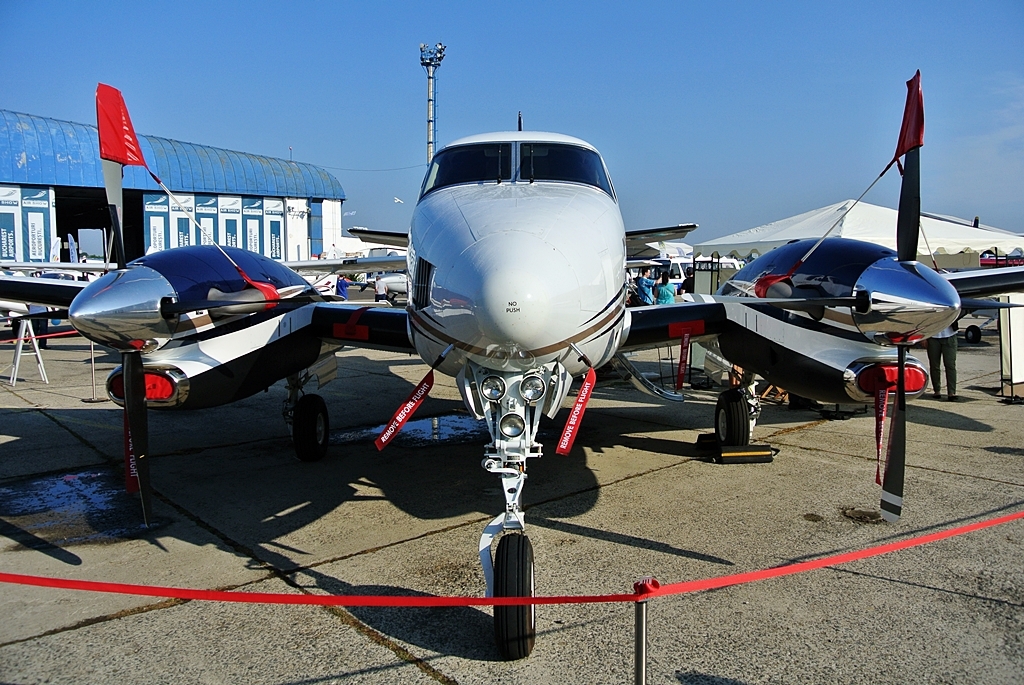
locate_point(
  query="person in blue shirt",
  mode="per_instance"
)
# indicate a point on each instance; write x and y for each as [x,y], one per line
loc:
[343,287]
[665,291]
[643,287]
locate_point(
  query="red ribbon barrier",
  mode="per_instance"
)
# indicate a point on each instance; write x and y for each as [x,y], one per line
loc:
[62,334]
[644,590]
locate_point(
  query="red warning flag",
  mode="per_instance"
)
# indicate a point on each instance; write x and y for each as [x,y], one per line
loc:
[131,465]
[576,415]
[406,411]
[912,130]
[118,141]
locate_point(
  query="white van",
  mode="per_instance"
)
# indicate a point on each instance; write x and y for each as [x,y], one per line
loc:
[677,267]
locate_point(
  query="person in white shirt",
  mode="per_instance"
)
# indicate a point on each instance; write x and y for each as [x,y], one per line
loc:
[942,348]
[381,289]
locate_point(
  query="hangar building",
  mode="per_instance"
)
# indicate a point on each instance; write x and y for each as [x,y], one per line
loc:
[51,186]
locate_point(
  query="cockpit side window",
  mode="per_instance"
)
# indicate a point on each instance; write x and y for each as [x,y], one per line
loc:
[469,164]
[557,162]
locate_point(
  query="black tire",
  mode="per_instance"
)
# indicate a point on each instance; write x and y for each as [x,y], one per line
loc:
[972,334]
[311,428]
[732,421]
[515,627]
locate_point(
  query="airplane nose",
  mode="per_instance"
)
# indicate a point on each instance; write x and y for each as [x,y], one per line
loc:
[122,309]
[909,301]
[527,291]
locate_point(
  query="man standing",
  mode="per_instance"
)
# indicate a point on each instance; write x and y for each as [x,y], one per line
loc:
[688,281]
[942,347]
[643,286]
[343,287]
[380,289]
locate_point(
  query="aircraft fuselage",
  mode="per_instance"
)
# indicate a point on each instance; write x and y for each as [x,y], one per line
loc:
[513,272]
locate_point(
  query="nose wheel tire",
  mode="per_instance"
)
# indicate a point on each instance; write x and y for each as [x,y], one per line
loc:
[972,334]
[732,420]
[515,627]
[311,428]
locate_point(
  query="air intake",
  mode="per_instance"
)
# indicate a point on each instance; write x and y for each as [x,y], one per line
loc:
[421,283]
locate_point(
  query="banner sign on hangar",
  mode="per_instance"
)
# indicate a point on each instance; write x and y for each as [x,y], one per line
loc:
[250,223]
[27,224]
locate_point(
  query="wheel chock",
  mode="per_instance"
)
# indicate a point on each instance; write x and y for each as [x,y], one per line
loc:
[735,454]
[707,441]
[746,454]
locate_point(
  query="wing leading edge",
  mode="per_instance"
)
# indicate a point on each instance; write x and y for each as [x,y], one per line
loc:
[381,328]
[987,282]
[666,323]
[41,291]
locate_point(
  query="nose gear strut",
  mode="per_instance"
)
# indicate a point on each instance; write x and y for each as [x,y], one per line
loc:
[511,407]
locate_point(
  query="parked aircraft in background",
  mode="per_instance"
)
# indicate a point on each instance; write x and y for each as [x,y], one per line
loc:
[516,259]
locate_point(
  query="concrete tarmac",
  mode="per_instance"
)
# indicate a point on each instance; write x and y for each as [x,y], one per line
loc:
[635,498]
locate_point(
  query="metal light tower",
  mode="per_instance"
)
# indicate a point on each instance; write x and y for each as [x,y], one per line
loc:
[430,58]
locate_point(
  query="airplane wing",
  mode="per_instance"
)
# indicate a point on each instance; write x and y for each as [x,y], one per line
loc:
[41,291]
[381,328]
[633,262]
[987,282]
[77,267]
[382,237]
[349,265]
[659,324]
[637,239]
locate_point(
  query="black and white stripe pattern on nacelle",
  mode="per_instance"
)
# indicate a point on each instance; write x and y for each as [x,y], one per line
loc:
[810,358]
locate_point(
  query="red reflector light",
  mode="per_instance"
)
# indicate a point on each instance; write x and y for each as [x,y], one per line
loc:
[158,386]
[879,376]
[117,386]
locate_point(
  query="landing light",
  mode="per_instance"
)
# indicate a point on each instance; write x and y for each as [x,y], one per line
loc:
[512,425]
[532,388]
[493,388]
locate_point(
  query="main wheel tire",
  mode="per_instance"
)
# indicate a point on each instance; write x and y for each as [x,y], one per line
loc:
[732,422]
[972,334]
[515,627]
[311,428]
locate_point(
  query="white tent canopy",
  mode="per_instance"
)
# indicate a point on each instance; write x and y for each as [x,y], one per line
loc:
[870,223]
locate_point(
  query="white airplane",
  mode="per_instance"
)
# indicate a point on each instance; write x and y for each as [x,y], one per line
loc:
[516,257]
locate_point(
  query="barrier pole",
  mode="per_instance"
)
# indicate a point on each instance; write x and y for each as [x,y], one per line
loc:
[642,588]
[92,365]
[640,648]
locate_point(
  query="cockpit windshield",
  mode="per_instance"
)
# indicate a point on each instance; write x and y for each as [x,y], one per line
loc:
[469,164]
[559,162]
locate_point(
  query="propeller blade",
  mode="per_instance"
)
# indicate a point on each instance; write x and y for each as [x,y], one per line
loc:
[909,147]
[169,310]
[972,304]
[892,485]
[137,427]
[909,220]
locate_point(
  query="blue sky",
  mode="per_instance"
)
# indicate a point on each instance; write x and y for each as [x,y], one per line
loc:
[729,115]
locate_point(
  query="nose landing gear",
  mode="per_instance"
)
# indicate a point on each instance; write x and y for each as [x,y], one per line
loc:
[512,403]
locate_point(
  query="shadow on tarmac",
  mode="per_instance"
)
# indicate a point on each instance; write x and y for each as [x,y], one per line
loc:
[697,678]
[464,632]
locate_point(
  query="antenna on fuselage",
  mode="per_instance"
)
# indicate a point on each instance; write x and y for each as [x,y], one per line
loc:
[430,59]
[520,121]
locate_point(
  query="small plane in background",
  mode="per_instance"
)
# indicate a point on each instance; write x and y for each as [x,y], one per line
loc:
[516,259]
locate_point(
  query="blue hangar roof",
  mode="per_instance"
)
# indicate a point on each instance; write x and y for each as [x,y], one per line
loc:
[48,152]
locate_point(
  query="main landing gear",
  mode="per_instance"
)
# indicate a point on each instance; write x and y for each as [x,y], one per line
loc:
[307,413]
[736,413]
[512,403]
